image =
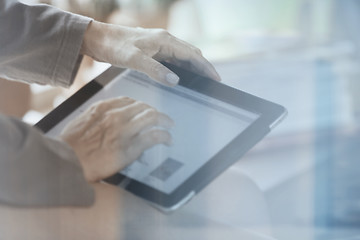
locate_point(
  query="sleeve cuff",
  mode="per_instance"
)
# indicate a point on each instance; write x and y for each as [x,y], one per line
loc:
[70,58]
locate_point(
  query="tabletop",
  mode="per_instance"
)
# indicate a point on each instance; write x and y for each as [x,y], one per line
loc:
[217,212]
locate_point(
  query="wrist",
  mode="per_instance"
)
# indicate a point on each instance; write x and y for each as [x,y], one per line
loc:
[79,157]
[92,39]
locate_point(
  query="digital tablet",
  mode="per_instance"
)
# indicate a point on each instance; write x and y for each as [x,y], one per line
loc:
[214,126]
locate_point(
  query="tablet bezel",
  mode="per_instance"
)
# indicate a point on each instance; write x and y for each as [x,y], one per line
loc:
[269,114]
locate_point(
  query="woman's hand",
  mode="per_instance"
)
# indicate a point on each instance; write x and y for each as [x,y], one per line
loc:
[142,49]
[113,133]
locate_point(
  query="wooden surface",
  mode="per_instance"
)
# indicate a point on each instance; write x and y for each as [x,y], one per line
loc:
[15,98]
[219,212]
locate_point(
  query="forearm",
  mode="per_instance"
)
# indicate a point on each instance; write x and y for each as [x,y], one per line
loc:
[38,171]
[39,44]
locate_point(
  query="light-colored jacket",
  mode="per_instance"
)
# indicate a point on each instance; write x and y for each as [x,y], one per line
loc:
[39,44]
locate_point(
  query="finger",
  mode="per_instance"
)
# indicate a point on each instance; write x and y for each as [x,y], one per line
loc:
[130,111]
[147,140]
[179,52]
[106,105]
[200,65]
[148,120]
[156,71]
[95,112]
[197,60]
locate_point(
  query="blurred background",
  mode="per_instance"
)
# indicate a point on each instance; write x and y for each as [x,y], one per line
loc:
[302,54]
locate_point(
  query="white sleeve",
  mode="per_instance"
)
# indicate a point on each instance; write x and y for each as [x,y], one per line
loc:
[38,171]
[39,43]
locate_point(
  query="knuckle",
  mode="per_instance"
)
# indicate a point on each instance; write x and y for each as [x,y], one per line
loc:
[132,57]
[124,101]
[152,114]
[113,117]
[125,98]
[141,105]
[162,34]
[136,107]
[107,119]
[198,51]
[92,109]
[97,107]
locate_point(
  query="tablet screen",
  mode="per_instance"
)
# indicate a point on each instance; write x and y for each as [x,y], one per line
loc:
[203,127]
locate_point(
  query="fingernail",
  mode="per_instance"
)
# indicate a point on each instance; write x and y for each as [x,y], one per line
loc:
[172,78]
[216,76]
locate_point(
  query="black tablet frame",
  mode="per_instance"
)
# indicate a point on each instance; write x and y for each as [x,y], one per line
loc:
[269,115]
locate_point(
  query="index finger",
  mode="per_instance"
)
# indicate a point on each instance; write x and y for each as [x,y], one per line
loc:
[103,106]
[185,55]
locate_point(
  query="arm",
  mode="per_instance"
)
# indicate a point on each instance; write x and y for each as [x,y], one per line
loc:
[43,46]
[39,44]
[38,171]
